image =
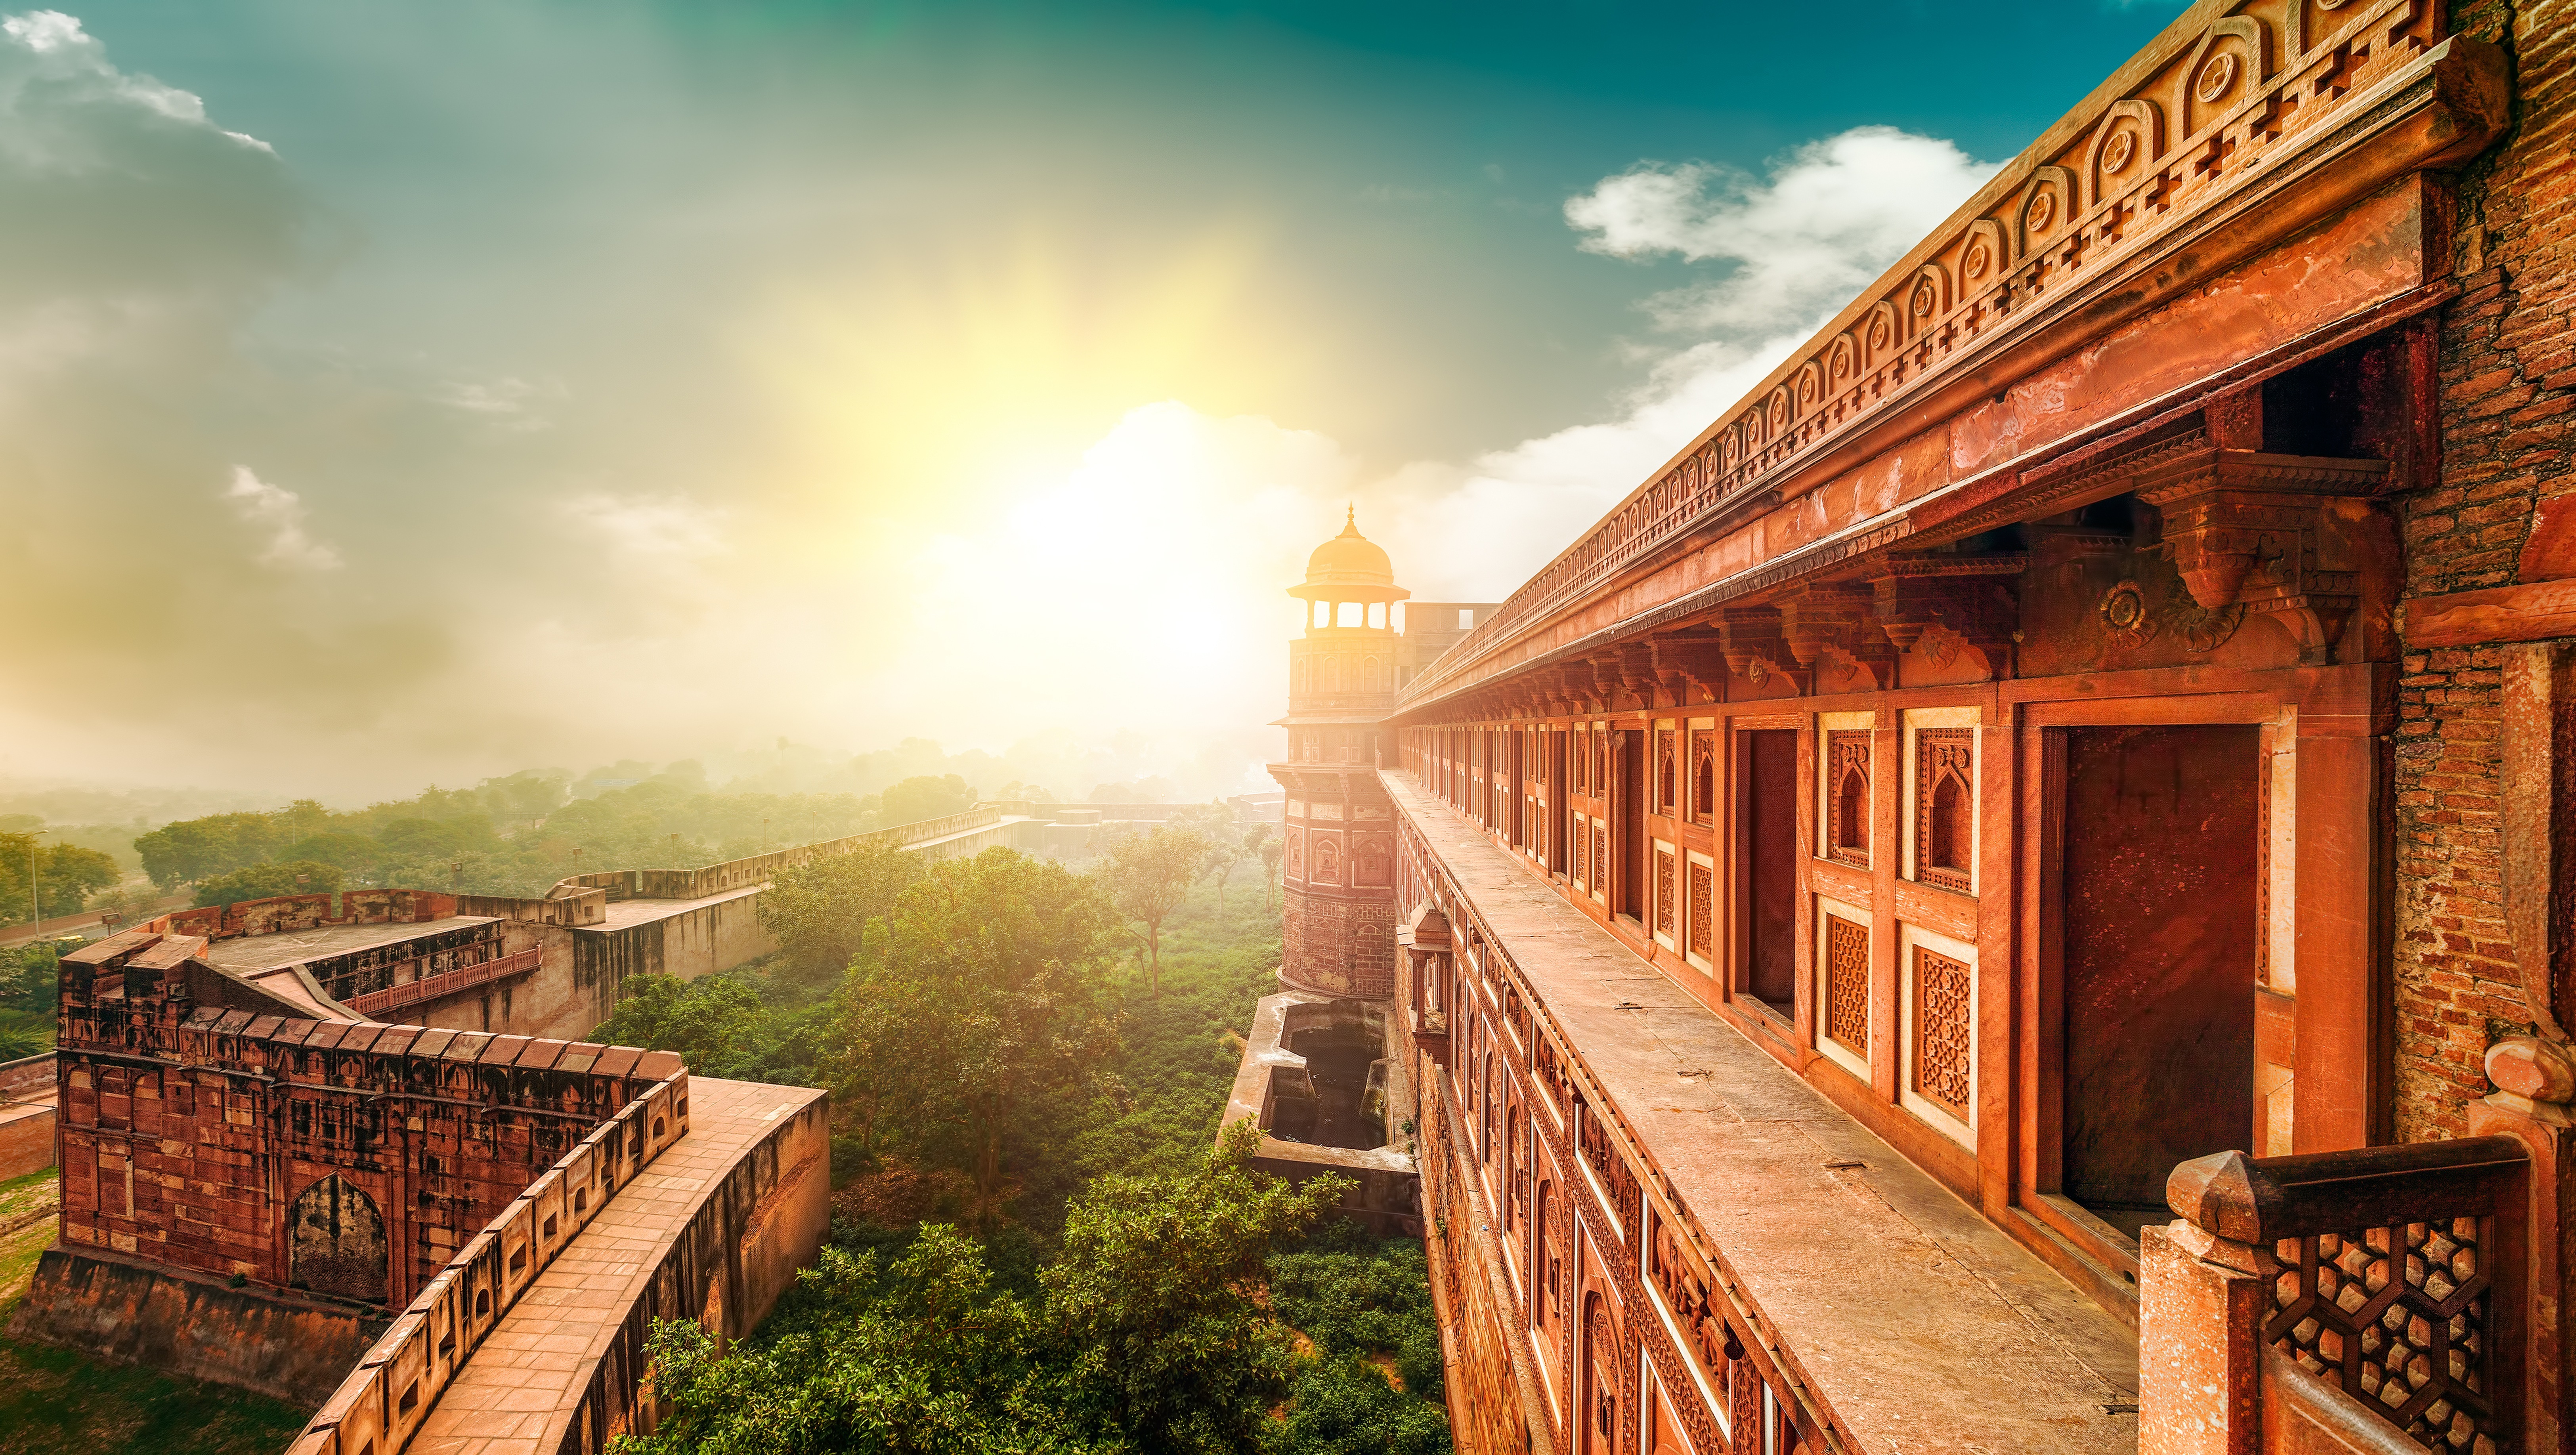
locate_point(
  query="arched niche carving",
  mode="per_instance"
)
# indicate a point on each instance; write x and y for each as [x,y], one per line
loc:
[2232,61]
[1928,298]
[2048,208]
[1843,360]
[1983,258]
[1882,334]
[2129,141]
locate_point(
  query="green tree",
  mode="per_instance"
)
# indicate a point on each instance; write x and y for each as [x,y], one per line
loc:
[986,999]
[1157,1298]
[709,1021]
[916,799]
[1147,1336]
[67,875]
[937,1365]
[1268,846]
[1148,875]
[354,852]
[819,911]
[270,881]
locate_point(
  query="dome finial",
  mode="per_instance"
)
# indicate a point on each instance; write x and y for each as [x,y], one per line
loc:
[1350,520]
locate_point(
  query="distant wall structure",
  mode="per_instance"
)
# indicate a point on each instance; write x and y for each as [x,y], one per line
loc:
[26,1115]
[342,1212]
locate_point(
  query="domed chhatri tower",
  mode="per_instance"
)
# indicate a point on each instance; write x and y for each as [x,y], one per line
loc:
[1339,930]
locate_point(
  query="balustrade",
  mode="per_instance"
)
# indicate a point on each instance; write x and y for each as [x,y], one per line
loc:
[2336,1299]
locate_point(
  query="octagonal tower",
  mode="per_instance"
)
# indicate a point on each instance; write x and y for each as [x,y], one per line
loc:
[1338,935]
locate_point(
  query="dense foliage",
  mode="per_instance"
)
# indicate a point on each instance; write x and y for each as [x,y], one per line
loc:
[270,881]
[65,874]
[819,912]
[28,983]
[1033,1248]
[521,834]
[1143,1334]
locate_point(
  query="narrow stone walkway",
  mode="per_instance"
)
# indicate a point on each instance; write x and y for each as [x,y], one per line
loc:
[1922,1325]
[517,1395]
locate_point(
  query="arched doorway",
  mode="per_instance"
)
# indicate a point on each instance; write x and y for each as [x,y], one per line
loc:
[335,1242]
[1597,1406]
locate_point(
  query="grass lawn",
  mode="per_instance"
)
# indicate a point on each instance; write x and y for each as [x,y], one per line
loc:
[53,1400]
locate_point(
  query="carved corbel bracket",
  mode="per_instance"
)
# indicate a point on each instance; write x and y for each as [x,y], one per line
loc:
[1751,641]
[1692,661]
[1971,598]
[1636,668]
[1587,689]
[2248,528]
[1831,620]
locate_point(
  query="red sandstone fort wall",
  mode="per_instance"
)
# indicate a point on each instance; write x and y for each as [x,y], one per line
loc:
[200,1137]
[2507,386]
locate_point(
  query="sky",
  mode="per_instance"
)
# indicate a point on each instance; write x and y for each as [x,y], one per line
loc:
[407,393]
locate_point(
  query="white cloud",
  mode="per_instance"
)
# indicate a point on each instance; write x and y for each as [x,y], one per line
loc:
[48,50]
[1801,241]
[279,512]
[658,527]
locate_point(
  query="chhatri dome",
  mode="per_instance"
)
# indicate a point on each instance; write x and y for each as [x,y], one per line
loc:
[1351,560]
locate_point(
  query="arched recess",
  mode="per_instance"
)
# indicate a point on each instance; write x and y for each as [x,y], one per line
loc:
[1597,1408]
[2047,210]
[1982,258]
[1927,299]
[1883,333]
[2231,61]
[335,1241]
[2127,145]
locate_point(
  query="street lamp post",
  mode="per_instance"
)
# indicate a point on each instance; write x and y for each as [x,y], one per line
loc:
[35,886]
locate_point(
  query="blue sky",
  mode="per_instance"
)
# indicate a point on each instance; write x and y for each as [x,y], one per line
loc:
[543,382]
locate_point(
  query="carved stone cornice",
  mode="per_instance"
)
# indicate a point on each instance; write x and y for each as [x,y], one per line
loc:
[1636,669]
[2221,139]
[1831,621]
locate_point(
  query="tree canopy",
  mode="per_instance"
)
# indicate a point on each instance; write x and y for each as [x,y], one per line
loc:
[270,881]
[67,875]
[987,996]
[1145,1334]
[819,912]
[1148,875]
[916,799]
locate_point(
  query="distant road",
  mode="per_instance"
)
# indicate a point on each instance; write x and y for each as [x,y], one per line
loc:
[86,923]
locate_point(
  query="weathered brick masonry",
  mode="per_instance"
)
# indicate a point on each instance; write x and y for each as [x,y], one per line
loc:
[2508,382]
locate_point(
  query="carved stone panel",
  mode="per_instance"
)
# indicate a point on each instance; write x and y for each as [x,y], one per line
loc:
[1845,1012]
[1943,1031]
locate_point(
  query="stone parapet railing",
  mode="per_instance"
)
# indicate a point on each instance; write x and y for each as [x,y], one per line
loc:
[698,883]
[2363,1300]
[382,1403]
[2205,130]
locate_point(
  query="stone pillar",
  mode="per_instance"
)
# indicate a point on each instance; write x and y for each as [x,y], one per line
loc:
[2535,1080]
[2200,1320]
